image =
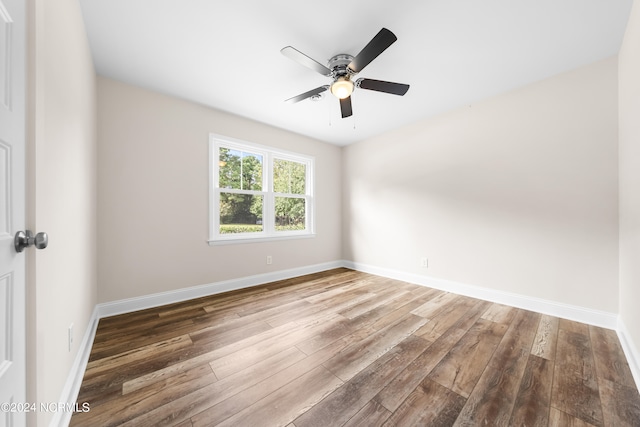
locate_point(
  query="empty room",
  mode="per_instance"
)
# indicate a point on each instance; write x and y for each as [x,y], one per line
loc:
[293,214]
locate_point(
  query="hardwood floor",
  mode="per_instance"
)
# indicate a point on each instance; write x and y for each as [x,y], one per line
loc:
[348,348]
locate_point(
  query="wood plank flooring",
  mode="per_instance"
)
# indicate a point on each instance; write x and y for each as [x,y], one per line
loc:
[344,348]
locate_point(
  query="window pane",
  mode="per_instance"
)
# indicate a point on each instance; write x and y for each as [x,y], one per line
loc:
[289,177]
[290,213]
[240,213]
[240,170]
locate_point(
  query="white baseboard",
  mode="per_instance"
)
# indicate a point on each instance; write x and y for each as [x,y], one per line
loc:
[630,351]
[156,300]
[74,379]
[580,314]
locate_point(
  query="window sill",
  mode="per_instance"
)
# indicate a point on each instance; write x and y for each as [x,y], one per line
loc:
[222,242]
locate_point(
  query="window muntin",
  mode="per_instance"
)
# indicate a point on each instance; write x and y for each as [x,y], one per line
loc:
[239,170]
[258,192]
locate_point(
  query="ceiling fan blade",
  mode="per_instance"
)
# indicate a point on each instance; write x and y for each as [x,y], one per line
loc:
[382,86]
[301,58]
[376,46]
[345,107]
[309,94]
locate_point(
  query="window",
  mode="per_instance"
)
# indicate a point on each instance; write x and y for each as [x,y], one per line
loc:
[258,192]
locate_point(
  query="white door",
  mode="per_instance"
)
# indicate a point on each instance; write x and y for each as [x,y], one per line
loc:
[12,211]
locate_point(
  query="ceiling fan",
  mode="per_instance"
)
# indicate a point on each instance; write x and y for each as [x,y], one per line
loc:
[340,68]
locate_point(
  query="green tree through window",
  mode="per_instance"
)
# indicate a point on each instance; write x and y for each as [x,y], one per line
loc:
[238,170]
[259,192]
[289,179]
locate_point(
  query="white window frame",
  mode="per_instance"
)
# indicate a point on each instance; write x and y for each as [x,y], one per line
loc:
[268,154]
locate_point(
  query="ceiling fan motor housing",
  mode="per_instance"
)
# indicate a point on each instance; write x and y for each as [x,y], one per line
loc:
[339,65]
[340,68]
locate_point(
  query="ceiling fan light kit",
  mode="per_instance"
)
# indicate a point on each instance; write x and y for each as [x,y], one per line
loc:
[342,87]
[342,67]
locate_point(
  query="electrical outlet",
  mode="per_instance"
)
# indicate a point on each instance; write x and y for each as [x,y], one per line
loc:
[70,336]
[424,262]
[269,260]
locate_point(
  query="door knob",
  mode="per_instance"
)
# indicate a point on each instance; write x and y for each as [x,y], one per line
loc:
[24,239]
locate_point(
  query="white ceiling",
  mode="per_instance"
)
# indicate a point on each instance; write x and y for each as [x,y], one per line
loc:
[226,54]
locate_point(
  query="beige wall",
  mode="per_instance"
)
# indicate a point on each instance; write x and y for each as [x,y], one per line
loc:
[629,74]
[517,193]
[153,196]
[62,279]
